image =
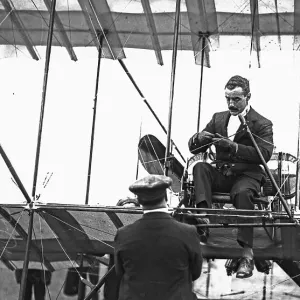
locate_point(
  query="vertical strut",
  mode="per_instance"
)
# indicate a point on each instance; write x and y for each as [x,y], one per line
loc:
[47,62]
[172,85]
[297,200]
[26,259]
[100,36]
[201,79]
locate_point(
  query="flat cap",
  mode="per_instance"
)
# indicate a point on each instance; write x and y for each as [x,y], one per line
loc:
[151,187]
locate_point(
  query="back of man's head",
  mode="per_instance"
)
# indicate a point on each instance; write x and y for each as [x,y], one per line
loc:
[151,191]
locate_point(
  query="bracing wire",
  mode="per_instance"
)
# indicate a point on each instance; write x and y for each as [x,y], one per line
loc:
[11,234]
[42,250]
[42,17]
[79,230]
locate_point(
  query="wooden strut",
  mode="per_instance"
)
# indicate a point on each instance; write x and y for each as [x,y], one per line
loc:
[45,82]
[172,85]
[233,225]
[14,175]
[100,37]
[31,211]
[26,259]
[297,200]
[204,36]
[245,125]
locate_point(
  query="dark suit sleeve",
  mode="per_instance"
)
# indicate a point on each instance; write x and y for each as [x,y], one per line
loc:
[264,140]
[195,146]
[118,262]
[195,254]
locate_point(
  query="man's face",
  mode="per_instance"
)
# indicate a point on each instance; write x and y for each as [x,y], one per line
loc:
[236,100]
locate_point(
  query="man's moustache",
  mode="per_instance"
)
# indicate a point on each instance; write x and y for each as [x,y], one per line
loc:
[233,108]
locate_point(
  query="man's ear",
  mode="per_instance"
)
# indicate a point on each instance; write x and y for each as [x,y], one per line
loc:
[248,96]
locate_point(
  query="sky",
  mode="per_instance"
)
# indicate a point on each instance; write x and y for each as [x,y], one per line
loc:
[122,114]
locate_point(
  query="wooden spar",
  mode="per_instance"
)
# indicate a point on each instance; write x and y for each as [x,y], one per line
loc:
[31,212]
[201,79]
[26,258]
[47,62]
[100,36]
[297,200]
[172,85]
[14,175]
[81,285]
[137,163]
[148,105]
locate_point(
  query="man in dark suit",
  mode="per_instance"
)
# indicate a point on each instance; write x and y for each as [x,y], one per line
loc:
[156,257]
[237,168]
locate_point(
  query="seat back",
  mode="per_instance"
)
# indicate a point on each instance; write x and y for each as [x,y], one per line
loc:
[282,167]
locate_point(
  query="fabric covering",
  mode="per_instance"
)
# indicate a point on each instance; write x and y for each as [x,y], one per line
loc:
[149,24]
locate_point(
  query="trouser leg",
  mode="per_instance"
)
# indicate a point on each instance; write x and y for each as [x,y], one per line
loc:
[242,193]
[39,290]
[208,179]
[28,290]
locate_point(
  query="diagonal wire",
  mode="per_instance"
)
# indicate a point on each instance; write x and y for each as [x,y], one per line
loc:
[71,261]
[78,230]
[61,288]
[96,36]
[7,15]
[278,191]
[17,222]
[42,250]
[47,24]
[272,286]
[215,31]
[263,139]
[109,27]
[102,30]
[123,46]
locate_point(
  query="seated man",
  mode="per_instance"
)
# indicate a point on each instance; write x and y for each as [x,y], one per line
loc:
[237,170]
[156,257]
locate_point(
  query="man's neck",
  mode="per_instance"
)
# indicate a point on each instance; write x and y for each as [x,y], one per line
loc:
[159,209]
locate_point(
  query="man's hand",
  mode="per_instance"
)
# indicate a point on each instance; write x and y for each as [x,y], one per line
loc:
[225,143]
[203,136]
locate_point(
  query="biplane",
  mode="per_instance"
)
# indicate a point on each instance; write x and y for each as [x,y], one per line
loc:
[50,236]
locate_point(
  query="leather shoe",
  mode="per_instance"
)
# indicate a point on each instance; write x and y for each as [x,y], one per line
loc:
[245,269]
[203,231]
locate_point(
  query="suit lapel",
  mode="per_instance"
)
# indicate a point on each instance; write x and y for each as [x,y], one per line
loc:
[224,124]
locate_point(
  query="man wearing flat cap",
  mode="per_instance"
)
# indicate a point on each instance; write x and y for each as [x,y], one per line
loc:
[156,257]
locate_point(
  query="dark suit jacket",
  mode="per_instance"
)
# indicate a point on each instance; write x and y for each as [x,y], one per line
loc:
[157,258]
[246,155]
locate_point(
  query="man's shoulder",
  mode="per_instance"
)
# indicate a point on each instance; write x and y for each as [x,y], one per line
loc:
[255,116]
[221,113]
[188,229]
[143,223]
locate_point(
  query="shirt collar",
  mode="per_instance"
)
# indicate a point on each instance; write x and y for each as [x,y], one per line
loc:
[245,111]
[163,209]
